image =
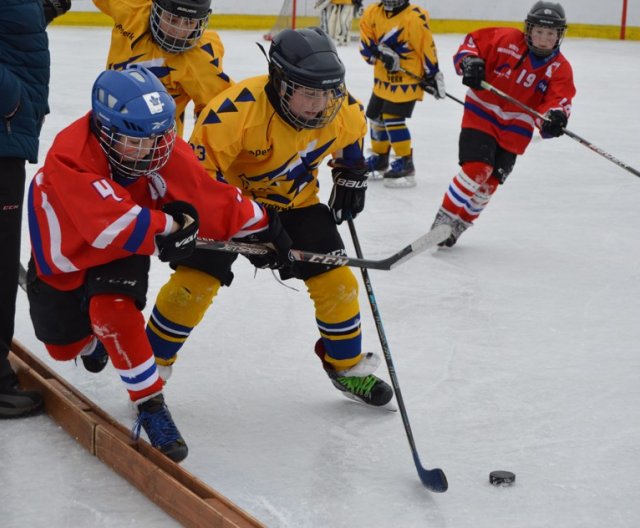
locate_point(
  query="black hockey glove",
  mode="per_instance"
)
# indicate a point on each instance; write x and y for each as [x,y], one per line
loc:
[276,237]
[434,85]
[555,123]
[55,8]
[180,244]
[389,58]
[472,72]
[347,195]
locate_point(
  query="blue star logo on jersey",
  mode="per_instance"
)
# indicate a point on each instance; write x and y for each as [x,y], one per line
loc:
[297,172]
[392,39]
[160,71]
[155,66]
[125,64]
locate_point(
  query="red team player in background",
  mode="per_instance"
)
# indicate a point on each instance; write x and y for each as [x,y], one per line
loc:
[530,68]
[111,194]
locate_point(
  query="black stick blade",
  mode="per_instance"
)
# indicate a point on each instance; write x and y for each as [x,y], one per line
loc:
[433,479]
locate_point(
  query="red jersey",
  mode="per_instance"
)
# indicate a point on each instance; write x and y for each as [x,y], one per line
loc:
[80,217]
[540,83]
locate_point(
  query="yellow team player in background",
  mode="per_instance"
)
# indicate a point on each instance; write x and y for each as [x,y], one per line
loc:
[268,135]
[169,37]
[395,36]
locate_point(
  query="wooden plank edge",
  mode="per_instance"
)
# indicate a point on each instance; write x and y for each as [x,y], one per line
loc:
[178,492]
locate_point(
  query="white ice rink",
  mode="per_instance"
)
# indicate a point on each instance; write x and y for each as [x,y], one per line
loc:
[517,349]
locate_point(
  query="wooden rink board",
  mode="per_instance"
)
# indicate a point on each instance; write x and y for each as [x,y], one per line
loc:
[179,493]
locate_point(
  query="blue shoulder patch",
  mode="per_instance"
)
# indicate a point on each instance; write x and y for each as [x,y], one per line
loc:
[227,106]
[245,96]
[211,119]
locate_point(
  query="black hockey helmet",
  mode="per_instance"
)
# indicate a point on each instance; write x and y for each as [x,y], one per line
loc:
[393,5]
[547,15]
[170,18]
[306,59]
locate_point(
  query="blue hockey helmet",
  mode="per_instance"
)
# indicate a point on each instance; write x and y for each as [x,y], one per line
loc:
[134,119]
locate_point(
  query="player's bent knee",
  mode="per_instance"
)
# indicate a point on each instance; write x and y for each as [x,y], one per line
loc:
[185,298]
[335,294]
[478,171]
[114,313]
[69,351]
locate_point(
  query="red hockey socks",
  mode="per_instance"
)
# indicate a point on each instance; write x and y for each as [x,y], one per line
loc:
[118,323]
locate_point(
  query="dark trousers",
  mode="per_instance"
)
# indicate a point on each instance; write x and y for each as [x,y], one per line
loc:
[12,181]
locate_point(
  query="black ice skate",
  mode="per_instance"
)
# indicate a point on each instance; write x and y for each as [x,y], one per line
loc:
[96,360]
[401,173]
[155,419]
[377,164]
[358,383]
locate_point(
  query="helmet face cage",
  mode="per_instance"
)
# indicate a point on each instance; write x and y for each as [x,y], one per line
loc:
[307,76]
[391,5]
[133,118]
[132,157]
[328,101]
[174,32]
[549,16]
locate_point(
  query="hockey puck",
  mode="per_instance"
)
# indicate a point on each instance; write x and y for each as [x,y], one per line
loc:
[502,478]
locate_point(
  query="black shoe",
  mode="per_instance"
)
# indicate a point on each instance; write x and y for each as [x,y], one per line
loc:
[154,417]
[97,360]
[15,402]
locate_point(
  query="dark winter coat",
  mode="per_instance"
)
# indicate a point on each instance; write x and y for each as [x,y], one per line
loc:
[24,77]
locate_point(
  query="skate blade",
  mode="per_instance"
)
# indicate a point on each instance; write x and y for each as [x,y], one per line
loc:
[389,406]
[400,183]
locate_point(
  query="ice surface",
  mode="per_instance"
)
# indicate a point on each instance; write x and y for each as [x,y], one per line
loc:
[517,349]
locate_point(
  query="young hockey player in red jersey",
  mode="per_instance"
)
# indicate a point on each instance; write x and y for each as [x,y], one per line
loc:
[112,192]
[530,68]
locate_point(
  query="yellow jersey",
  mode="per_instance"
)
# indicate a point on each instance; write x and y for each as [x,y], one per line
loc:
[193,75]
[241,139]
[408,34]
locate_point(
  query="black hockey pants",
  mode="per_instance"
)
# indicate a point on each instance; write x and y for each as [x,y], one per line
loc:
[12,182]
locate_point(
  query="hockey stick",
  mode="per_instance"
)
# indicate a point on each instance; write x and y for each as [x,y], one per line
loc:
[426,241]
[428,89]
[572,135]
[433,479]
